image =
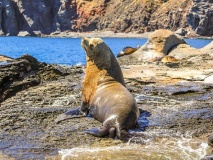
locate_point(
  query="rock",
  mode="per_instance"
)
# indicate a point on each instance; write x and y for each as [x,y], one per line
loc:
[4,58]
[8,19]
[162,41]
[5,157]
[38,15]
[208,157]
[199,17]
[209,79]
[123,16]
[208,49]
[1,9]
[37,33]
[24,72]
[170,15]
[175,102]
[158,45]
[66,14]
[23,34]
[1,33]
[210,140]
[184,51]
[181,32]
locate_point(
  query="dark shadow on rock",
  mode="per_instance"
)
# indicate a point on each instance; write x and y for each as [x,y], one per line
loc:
[24,72]
[143,122]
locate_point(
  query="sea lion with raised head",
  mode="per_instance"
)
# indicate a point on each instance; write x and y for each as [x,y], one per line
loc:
[104,94]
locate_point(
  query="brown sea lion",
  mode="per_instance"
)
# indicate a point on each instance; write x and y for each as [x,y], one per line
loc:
[127,50]
[104,95]
[169,59]
[165,59]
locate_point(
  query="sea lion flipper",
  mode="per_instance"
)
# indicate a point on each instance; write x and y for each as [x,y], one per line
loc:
[74,113]
[98,132]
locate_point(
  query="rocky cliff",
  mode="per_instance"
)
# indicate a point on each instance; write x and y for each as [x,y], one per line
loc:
[47,16]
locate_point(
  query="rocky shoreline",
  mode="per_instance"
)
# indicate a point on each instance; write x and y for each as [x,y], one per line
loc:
[176,99]
[101,34]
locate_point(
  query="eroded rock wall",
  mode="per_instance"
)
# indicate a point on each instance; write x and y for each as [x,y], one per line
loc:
[200,17]
[138,16]
[8,19]
[37,15]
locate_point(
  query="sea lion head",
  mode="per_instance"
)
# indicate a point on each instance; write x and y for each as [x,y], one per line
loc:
[97,52]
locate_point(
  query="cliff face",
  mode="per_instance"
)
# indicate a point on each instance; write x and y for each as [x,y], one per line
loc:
[47,16]
[200,17]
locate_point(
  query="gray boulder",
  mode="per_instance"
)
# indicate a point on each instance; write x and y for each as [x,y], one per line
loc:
[200,17]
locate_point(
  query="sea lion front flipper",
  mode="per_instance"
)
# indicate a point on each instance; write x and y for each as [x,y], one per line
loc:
[98,132]
[74,113]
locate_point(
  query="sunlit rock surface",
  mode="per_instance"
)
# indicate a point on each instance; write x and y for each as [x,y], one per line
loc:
[160,44]
[176,122]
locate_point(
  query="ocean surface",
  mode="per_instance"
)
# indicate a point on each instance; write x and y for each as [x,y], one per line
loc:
[68,51]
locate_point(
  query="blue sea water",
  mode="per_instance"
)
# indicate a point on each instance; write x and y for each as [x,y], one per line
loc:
[67,51]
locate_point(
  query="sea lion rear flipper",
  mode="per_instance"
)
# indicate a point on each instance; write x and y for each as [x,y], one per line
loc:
[74,113]
[97,132]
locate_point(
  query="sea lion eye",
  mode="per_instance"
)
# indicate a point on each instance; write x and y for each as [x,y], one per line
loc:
[91,45]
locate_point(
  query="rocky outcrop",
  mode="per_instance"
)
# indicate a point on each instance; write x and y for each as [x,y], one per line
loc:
[4,59]
[170,15]
[159,44]
[210,139]
[24,72]
[23,34]
[184,51]
[37,15]
[9,23]
[66,16]
[208,49]
[200,17]
[140,16]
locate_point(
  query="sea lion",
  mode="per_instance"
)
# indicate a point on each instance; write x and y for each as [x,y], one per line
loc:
[104,95]
[169,59]
[165,59]
[127,50]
